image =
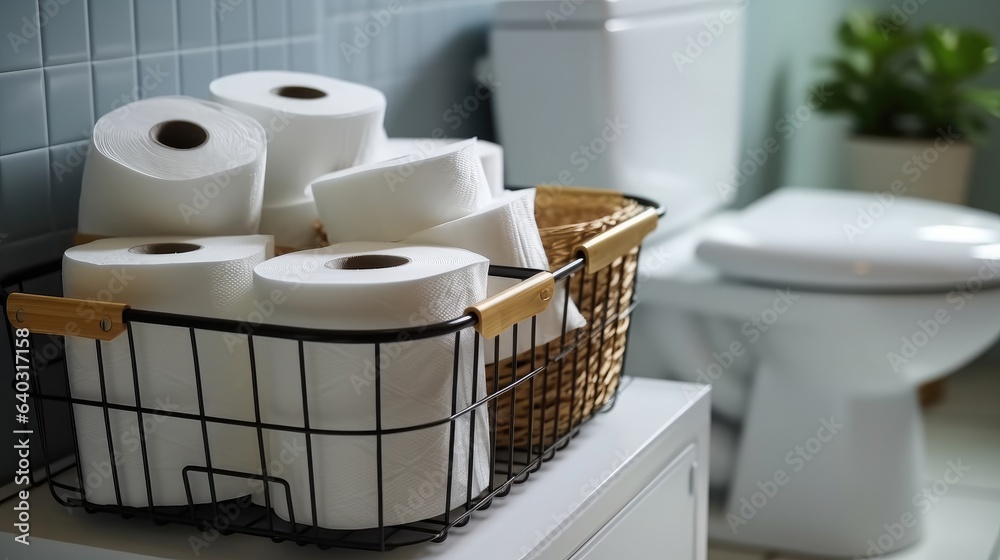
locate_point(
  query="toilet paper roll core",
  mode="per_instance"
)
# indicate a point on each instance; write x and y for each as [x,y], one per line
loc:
[164,248]
[367,262]
[298,92]
[179,135]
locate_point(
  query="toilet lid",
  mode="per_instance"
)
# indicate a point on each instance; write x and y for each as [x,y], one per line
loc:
[855,241]
[556,12]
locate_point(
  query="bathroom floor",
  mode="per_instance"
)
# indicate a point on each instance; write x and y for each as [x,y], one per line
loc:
[964,429]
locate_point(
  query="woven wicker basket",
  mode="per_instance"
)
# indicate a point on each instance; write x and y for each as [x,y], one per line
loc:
[583,368]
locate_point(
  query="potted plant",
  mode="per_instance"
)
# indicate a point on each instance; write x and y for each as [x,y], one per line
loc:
[915,115]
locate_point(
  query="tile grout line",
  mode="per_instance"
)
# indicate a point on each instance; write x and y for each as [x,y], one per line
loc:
[41,69]
[286,31]
[252,31]
[135,45]
[177,46]
[217,23]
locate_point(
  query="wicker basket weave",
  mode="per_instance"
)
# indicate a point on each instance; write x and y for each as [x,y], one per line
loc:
[583,368]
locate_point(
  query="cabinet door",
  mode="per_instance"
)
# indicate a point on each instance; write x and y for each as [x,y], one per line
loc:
[659,524]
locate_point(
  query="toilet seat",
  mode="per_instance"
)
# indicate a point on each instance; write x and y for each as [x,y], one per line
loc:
[836,241]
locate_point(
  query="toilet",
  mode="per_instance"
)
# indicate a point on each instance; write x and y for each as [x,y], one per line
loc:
[815,314]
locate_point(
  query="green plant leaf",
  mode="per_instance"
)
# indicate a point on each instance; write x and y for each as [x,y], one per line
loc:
[853,68]
[836,97]
[873,34]
[986,99]
[953,54]
[857,29]
[901,83]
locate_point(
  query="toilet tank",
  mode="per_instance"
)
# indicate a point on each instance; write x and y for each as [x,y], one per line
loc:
[643,96]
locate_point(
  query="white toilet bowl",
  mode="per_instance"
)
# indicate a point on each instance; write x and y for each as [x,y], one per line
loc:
[627,94]
[831,446]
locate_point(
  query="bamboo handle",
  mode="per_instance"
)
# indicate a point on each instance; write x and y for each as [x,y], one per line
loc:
[602,250]
[550,192]
[513,305]
[66,316]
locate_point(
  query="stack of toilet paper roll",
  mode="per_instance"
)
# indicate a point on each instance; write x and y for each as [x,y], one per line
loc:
[365,286]
[210,277]
[180,187]
[505,230]
[314,125]
[443,198]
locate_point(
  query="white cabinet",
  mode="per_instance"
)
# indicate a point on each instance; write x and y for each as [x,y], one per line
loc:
[633,484]
[658,524]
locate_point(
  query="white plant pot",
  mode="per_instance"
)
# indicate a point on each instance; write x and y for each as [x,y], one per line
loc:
[937,169]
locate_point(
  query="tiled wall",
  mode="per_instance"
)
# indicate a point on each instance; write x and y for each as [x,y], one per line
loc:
[64,63]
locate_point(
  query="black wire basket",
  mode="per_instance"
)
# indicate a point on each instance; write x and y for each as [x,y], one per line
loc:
[45,320]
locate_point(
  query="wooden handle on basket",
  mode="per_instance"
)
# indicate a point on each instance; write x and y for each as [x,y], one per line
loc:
[513,305]
[66,316]
[602,250]
[554,191]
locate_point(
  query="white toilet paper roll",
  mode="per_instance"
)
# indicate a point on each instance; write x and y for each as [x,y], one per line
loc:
[315,124]
[173,166]
[490,155]
[505,232]
[389,201]
[362,286]
[209,277]
[292,224]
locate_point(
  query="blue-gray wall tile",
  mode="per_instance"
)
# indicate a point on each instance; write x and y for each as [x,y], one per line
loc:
[273,56]
[380,56]
[304,17]
[145,48]
[234,20]
[20,38]
[341,7]
[156,25]
[69,102]
[270,19]
[332,58]
[115,85]
[406,28]
[64,37]
[343,56]
[111,26]
[22,112]
[66,172]
[434,33]
[25,206]
[196,24]
[198,69]
[305,55]
[235,59]
[158,75]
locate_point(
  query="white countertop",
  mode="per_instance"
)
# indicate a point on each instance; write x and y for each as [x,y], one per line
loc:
[615,456]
